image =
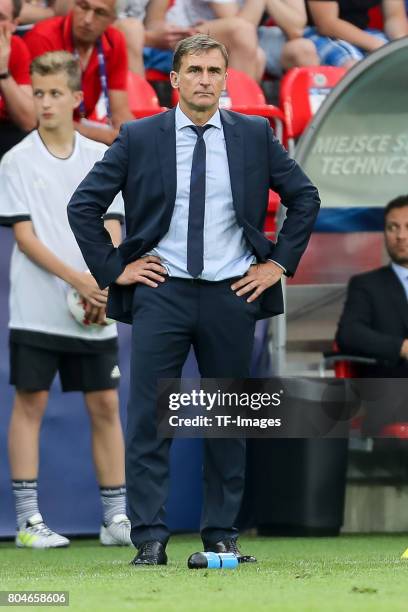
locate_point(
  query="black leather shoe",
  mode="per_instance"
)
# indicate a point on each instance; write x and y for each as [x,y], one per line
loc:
[151,553]
[229,546]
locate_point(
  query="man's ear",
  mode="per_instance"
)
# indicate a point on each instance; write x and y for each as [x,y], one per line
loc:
[78,97]
[174,79]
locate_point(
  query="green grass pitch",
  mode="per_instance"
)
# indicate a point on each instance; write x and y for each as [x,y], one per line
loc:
[345,574]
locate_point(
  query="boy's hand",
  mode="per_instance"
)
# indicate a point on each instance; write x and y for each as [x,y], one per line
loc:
[88,288]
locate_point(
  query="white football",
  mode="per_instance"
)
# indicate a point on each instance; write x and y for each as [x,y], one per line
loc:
[76,306]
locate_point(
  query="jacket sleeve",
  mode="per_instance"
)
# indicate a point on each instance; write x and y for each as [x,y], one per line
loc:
[301,199]
[355,333]
[90,202]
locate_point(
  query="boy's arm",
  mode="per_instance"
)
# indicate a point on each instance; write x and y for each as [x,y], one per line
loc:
[34,249]
[97,314]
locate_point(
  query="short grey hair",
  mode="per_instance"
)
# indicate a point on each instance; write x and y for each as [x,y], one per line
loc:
[199,43]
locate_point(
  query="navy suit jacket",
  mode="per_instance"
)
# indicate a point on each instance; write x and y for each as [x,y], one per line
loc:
[142,164]
[374,322]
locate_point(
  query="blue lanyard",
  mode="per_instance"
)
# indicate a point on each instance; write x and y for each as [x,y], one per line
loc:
[103,80]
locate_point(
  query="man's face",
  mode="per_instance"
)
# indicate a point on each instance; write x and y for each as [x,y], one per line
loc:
[54,101]
[90,18]
[200,80]
[396,235]
[6,12]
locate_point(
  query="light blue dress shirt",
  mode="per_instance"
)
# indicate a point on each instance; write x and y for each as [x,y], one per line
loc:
[226,251]
[402,274]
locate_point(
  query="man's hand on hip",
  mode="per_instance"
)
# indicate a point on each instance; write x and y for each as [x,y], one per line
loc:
[258,278]
[147,270]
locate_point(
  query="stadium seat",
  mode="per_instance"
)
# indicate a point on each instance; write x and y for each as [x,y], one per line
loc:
[301,93]
[376,19]
[143,101]
[352,366]
[270,221]
[152,75]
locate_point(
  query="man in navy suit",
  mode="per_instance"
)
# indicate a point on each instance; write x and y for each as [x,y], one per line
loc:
[194,269]
[374,322]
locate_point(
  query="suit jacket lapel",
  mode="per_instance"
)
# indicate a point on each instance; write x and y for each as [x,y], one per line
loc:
[397,291]
[235,152]
[166,147]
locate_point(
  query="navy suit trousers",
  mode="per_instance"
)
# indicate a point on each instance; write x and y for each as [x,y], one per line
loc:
[167,321]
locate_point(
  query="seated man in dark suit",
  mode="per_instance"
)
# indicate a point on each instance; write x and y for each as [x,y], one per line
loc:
[374,322]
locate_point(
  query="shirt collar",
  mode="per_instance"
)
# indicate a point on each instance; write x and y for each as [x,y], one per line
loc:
[400,271]
[183,121]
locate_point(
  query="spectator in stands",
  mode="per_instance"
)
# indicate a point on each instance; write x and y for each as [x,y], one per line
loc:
[280,46]
[37,178]
[232,23]
[340,28]
[150,39]
[283,43]
[87,32]
[17,115]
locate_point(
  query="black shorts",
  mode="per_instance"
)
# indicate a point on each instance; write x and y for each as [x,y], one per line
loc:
[33,369]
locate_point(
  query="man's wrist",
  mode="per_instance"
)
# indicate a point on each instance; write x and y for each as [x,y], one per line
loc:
[278,264]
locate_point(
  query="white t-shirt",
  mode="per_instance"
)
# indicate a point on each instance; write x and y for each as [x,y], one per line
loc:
[188,12]
[131,8]
[35,185]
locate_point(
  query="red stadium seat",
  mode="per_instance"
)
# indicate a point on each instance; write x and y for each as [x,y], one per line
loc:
[302,91]
[376,18]
[151,75]
[350,366]
[143,100]
[270,221]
